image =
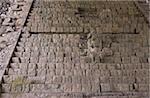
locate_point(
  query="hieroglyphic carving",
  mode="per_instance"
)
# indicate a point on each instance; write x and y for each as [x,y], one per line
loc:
[94,46]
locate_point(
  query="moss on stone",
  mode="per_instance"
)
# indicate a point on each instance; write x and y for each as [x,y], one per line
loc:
[19,81]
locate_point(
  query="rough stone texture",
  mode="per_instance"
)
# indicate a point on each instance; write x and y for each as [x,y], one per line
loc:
[144,8]
[52,61]
[56,16]
[10,33]
[78,62]
[39,95]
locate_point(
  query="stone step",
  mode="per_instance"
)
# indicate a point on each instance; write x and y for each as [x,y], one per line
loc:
[144,8]
[26,52]
[24,57]
[115,9]
[92,66]
[58,72]
[69,84]
[134,73]
[69,88]
[47,95]
[60,57]
[77,79]
[36,95]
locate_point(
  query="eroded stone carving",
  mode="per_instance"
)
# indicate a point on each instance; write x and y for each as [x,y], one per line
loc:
[95,47]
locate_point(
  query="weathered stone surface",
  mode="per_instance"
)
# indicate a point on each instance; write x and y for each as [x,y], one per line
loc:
[32,69]
[6,88]
[105,63]
[72,19]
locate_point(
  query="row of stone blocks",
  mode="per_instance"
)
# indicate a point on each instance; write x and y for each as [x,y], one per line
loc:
[60,22]
[86,78]
[47,95]
[66,69]
[80,88]
[60,50]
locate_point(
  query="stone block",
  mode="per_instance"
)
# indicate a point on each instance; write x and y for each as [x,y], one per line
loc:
[26,54]
[76,72]
[14,71]
[51,72]
[51,66]
[60,29]
[68,72]
[96,87]
[76,79]
[49,79]
[19,49]
[42,59]
[60,72]
[24,59]
[76,87]
[41,72]
[123,87]
[133,87]
[135,59]
[67,87]
[16,60]
[7,79]
[18,54]
[67,79]
[14,65]
[23,67]
[59,66]
[6,88]
[79,29]
[57,79]
[86,87]
[33,59]
[25,88]
[36,79]
[105,87]
[143,87]
[68,66]
[85,66]
[32,69]
[36,87]
[16,88]
[118,60]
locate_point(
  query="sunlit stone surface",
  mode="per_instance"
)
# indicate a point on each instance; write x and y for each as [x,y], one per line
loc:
[74,49]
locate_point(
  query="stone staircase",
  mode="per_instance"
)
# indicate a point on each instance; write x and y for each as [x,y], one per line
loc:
[45,64]
[65,66]
[99,80]
[144,7]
